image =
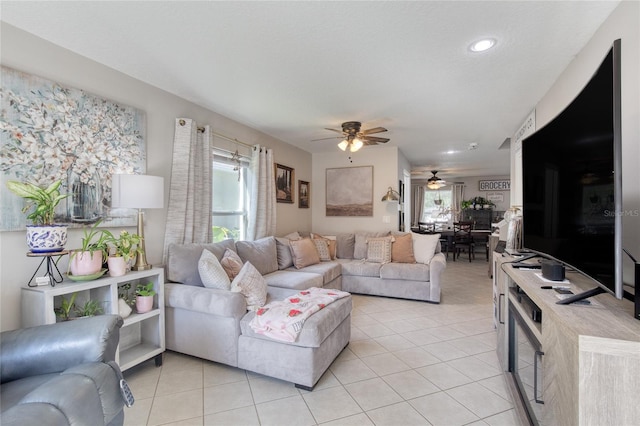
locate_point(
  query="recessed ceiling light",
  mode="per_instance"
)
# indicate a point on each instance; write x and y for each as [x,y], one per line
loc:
[482,45]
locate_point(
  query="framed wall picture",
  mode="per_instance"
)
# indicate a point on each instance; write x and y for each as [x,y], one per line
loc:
[304,194]
[284,184]
[349,191]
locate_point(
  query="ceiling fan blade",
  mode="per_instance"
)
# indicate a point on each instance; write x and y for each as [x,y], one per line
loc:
[334,130]
[374,130]
[374,139]
[324,139]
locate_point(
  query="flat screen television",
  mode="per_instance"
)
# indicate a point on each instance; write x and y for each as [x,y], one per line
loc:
[572,183]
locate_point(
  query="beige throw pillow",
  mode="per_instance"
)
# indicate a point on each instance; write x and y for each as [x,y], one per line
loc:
[252,285]
[304,253]
[211,272]
[231,263]
[322,247]
[331,241]
[402,249]
[379,249]
[424,246]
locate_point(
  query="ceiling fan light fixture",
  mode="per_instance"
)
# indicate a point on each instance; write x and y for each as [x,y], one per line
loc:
[433,185]
[356,145]
[343,145]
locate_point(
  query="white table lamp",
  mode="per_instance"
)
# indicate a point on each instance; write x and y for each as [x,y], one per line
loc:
[138,192]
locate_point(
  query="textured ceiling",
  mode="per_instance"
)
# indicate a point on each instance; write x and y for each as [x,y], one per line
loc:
[290,69]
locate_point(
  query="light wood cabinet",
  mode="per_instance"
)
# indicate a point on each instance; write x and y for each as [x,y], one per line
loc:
[141,336]
[591,361]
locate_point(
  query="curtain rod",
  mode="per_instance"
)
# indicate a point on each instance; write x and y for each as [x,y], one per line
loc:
[234,140]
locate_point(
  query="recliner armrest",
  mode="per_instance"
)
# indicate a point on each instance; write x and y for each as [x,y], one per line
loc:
[53,348]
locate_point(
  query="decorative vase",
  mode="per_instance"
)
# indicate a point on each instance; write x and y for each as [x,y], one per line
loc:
[84,263]
[47,238]
[124,310]
[117,266]
[144,304]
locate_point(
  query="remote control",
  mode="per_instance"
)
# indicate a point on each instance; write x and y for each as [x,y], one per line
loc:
[126,393]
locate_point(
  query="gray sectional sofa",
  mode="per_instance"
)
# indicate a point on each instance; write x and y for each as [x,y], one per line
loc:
[214,324]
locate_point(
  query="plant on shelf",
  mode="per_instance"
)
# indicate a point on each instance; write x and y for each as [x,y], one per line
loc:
[144,297]
[89,309]
[125,301]
[126,245]
[44,235]
[66,307]
[465,204]
[88,259]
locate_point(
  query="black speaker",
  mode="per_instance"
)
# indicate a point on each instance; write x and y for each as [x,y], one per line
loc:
[553,271]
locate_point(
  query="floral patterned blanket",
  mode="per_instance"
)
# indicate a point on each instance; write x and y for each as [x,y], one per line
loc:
[283,320]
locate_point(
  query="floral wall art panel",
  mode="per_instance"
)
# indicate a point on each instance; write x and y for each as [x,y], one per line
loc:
[350,191]
[49,132]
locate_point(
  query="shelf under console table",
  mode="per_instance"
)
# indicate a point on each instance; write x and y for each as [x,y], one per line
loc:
[588,360]
[142,336]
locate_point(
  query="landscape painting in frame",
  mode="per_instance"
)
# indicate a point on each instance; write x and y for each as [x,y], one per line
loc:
[350,191]
[284,184]
[50,132]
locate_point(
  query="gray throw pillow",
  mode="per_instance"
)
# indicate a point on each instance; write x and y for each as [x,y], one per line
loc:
[284,253]
[182,260]
[344,246]
[262,254]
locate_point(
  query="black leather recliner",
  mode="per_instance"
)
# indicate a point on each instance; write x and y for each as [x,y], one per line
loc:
[62,374]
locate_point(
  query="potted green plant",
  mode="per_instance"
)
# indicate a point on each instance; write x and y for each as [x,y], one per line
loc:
[122,249]
[465,204]
[144,297]
[66,306]
[89,309]
[125,301]
[88,259]
[43,235]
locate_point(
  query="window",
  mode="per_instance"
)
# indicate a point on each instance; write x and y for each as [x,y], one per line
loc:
[434,213]
[230,196]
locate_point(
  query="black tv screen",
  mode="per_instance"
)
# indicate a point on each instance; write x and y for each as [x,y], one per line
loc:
[572,181]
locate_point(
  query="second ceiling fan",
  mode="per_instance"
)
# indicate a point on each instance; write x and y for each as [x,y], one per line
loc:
[354,139]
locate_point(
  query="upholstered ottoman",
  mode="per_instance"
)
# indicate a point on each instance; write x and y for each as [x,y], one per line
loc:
[324,335]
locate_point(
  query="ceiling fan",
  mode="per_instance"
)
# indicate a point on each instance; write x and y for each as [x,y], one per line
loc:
[353,138]
[434,182]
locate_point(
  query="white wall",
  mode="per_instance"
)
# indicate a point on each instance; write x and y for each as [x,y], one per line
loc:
[31,54]
[384,160]
[623,23]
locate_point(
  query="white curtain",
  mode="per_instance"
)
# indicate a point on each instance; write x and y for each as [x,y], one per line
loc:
[189,214]
[417,204]
[457,195]
[262,208]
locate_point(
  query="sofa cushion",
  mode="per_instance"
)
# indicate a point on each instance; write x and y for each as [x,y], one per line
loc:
[402,249]
[345,244]
[360,268]
[304,253]
[211,272]
[379,249]
[283,250]
[405,271]
[316,328]
[231,263]
[360,247]
[252,285]
[293,279]
[182,260]
[322,247]
[329,271]
[262,254]
[424,246]
[211,301]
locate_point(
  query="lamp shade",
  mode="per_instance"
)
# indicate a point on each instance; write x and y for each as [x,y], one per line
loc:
[391,195]
[137,191]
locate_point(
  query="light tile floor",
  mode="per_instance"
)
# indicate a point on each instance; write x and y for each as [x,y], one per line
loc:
[408,363]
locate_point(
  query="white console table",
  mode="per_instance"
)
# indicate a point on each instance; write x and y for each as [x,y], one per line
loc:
[590,362]
[141,336]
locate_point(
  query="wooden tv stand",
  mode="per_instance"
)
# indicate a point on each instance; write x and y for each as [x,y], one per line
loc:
[588,363]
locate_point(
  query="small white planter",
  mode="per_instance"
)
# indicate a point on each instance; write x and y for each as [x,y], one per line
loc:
[46,239]
[117,266]
[144,304]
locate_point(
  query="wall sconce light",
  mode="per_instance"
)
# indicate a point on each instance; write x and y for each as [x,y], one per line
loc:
[391,195]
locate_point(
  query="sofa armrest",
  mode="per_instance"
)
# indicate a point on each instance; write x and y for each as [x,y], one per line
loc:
[211,301]
[437,265]
[53,348]
[82,395]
